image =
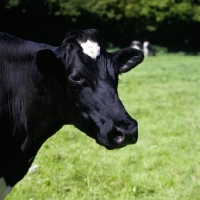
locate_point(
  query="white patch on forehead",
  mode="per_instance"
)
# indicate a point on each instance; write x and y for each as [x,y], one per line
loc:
[90,48]
[4,189]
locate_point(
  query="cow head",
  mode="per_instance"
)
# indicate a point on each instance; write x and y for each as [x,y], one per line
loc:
[89,76]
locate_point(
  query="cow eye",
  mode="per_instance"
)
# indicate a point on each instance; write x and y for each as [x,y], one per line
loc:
[76,79]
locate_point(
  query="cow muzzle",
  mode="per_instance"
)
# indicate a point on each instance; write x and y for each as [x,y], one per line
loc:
[120,137]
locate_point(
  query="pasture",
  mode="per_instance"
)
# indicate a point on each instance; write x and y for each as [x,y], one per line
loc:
[163,95]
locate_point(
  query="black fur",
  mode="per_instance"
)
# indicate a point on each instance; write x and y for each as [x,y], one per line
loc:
[44,87]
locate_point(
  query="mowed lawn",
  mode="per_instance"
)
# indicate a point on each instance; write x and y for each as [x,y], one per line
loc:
[163,95]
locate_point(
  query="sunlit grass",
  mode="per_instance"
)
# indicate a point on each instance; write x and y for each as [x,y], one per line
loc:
[163,94]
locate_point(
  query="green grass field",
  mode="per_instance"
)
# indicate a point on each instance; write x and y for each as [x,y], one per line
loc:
[163,95]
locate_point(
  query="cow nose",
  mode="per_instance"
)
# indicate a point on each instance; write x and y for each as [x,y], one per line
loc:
[123,137]
[118,135]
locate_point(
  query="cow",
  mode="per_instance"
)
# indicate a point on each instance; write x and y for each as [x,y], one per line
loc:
[43,87]
[146,47]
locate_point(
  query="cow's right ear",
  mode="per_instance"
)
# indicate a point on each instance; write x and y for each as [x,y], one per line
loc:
[47,62]
[127,58]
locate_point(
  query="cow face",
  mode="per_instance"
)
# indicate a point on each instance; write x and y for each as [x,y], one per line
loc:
[90,78]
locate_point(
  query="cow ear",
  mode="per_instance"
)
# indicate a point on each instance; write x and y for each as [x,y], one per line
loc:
[127,58]
[47,62]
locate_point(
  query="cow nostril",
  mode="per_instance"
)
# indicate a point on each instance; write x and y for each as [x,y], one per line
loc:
[117,135]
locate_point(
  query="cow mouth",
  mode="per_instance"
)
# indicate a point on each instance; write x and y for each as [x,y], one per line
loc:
[109,146]
[112,148]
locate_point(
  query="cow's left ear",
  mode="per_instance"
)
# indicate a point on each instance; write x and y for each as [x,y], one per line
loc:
[48,63]
[127,58]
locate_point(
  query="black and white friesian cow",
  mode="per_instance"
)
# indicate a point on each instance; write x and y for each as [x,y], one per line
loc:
[44,87]
[146,47]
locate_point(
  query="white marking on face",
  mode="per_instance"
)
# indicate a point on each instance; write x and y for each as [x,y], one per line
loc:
[4,189]
[90,48]
[136,47]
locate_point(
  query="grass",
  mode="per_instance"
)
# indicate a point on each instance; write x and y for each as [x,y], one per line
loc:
[163,94]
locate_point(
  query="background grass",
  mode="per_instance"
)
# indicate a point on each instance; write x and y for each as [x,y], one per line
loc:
[163,94]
